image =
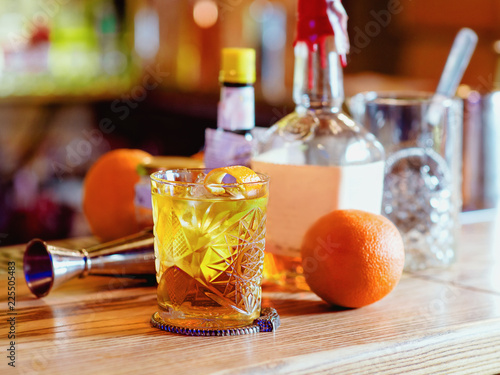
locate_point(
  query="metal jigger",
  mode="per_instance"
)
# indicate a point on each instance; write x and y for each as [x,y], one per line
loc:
[46,266]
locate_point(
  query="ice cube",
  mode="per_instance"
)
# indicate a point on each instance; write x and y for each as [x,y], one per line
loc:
[236,192]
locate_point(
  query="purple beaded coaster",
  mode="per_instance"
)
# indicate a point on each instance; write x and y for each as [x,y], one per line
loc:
[268,321]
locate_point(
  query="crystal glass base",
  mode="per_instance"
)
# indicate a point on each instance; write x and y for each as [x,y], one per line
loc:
[268,321]
[204,319]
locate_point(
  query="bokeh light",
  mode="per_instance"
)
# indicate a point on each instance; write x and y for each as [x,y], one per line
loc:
[205,13]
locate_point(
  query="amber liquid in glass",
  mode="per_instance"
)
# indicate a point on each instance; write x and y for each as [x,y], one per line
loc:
[209,259]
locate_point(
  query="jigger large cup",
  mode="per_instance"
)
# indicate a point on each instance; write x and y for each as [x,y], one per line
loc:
[47,266]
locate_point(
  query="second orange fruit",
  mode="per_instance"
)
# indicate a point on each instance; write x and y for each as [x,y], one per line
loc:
[352,258]
[108,195]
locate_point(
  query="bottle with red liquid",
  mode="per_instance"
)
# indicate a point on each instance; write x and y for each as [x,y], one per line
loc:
[318,158]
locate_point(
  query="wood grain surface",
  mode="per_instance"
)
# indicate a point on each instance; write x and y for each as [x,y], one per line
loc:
[436,321]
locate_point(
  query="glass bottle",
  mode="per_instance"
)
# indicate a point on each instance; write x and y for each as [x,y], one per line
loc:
[318,158]
[231,143]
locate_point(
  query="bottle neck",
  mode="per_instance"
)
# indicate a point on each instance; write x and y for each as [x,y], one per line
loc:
[318,81]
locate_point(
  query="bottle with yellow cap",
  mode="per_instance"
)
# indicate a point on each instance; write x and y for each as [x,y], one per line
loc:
[231,142]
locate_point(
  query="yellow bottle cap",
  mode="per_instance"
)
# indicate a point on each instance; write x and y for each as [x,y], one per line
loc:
[238,65]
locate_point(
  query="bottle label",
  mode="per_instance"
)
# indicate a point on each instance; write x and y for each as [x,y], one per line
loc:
[236,110]
[224,148]
[300,194]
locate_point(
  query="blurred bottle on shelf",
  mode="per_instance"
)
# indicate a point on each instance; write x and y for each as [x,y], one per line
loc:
[113,60]
[318,158]
[231,143]
[147,31]
[491,139]
[271,20]
[24,46]
[473,149]
[74,53]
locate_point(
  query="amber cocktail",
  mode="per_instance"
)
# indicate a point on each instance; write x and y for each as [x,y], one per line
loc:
[209,248]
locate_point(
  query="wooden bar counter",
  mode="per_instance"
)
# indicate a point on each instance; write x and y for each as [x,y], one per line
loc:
[436,321]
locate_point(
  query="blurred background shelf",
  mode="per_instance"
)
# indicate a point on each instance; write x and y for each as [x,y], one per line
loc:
[81,77]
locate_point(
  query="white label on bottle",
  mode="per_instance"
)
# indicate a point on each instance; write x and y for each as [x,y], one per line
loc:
[224,148]
[300,194]
[236,110]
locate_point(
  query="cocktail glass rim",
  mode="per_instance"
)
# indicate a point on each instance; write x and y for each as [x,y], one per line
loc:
[264,179]
[400,97]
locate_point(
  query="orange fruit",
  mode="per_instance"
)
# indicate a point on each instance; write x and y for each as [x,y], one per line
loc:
[108,193]
[352,258]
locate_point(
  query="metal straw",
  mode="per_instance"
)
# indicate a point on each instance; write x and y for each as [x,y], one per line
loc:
[458,60]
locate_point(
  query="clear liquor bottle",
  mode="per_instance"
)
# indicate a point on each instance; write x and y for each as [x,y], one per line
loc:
[318,158]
